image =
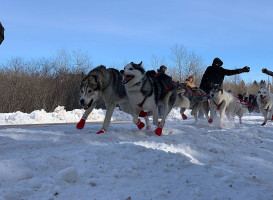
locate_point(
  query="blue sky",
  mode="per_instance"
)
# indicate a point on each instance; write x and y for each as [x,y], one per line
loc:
[240,32]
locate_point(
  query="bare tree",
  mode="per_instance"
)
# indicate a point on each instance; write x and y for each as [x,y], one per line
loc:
[232,83]
[187,63]
[179,54]
[81,61]
[157,62]
[194,66]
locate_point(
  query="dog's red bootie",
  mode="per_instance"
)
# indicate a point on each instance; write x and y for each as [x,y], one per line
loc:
[143,114]
[101,131]
[140,124]
[272,118]
[210,120]
[184,117]
[263,123]
[158,131]
[81,123]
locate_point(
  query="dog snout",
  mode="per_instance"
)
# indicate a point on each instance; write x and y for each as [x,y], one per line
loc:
[82,101]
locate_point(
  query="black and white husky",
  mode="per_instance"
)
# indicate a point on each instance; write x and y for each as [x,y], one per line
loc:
[146,90]
[265,103]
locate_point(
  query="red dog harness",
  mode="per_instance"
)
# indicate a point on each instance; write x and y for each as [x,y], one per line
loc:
[217,105]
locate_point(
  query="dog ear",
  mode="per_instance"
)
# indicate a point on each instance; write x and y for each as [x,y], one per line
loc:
[93,79]
[141,68]
[262,84]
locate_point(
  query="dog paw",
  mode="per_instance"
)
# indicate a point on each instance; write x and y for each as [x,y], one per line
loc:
[158,131]
[210,120]
[140,125]
[101,131]
[81,123]
[184,117]
[264,123]
[143,114]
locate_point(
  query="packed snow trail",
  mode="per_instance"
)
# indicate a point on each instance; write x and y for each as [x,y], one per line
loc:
[189,161]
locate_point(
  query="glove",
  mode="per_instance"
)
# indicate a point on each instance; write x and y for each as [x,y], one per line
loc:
[246,69]
[264,70]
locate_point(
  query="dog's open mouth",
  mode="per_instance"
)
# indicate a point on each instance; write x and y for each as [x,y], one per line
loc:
[262,97]
[127,78]
[88,105]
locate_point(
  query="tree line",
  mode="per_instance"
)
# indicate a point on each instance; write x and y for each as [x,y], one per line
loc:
[43,83]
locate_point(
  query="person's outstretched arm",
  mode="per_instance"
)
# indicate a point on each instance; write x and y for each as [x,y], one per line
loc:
[266,71]
[230,72]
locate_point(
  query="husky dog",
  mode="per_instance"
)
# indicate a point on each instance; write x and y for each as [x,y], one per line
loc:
[226,103]
[147,90]
[106,84]
[198,100]
[265,103]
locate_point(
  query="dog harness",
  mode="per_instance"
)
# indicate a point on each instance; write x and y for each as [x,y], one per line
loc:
[217,105]
[168,89]
[141,104]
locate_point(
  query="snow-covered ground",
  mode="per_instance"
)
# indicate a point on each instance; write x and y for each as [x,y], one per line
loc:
[190,161]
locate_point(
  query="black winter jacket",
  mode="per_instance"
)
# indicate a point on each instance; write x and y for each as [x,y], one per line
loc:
[215,75]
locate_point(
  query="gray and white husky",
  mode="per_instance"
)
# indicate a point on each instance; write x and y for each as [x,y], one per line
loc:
[146,90]
[106,84]
[198,100]
[265,103]
[226,103]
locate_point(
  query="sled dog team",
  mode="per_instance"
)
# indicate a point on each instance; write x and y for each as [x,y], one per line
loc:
[139,93]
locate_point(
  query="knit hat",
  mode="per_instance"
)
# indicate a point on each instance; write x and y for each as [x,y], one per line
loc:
[217,62]
[163,67]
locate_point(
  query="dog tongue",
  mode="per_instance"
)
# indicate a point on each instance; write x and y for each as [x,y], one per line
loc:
[128,77]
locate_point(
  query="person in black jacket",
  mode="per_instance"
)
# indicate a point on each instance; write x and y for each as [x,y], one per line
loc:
[215,74]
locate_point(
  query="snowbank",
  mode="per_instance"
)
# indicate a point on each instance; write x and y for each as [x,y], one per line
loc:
[60,115]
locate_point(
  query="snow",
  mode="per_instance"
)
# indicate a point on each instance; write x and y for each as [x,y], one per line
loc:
[43,160]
